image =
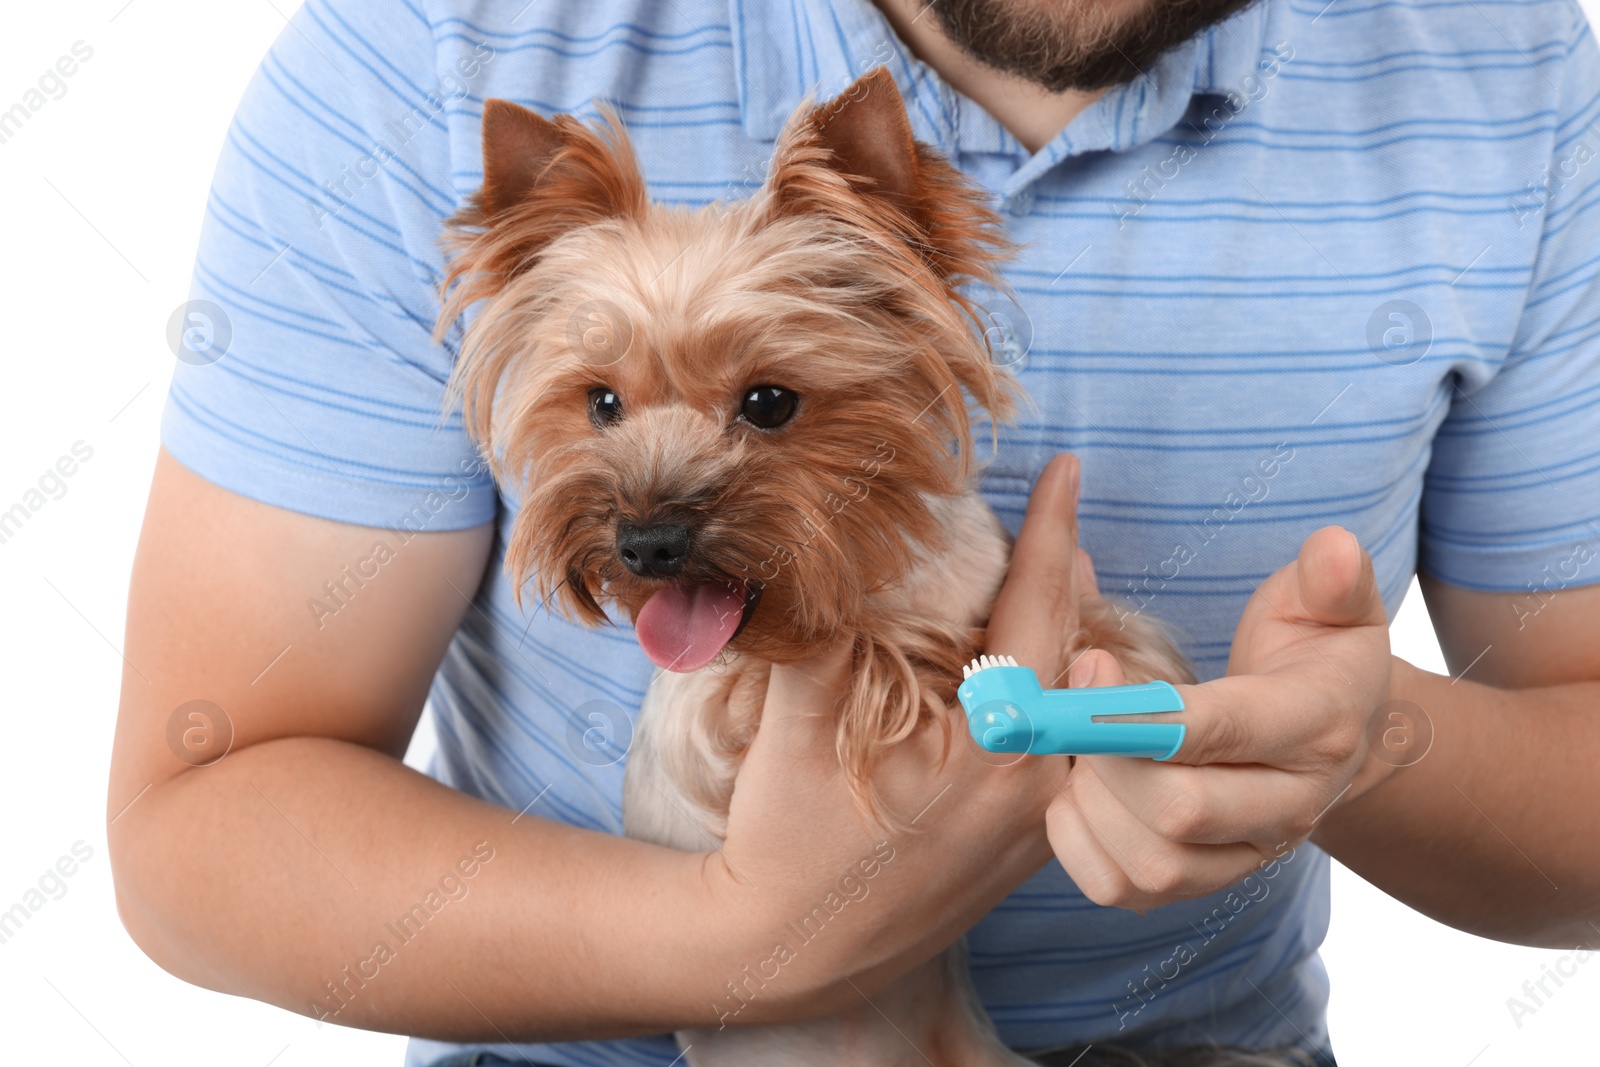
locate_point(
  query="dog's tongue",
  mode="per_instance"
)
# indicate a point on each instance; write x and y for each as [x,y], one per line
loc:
[683,627]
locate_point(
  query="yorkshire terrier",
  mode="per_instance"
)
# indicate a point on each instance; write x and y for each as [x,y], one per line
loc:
[748,427]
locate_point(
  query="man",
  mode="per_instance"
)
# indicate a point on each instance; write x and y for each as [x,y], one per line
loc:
[1284,267]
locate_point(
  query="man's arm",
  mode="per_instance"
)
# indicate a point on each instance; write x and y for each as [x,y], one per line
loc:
[278,869]
[275,869]
[1490,825]
[1494,830]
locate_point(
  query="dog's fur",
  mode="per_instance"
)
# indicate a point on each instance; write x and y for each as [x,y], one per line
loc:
[856,520]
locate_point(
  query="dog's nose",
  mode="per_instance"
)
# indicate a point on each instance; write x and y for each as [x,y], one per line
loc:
[654,551]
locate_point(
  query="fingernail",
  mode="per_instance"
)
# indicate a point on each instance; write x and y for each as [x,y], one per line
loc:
[1074,476]
[1082,673]
[1355,544]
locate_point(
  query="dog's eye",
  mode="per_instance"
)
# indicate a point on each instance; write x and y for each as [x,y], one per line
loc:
[605,407]
[768,406]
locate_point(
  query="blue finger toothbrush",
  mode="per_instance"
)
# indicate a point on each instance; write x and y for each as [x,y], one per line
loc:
[1008,711]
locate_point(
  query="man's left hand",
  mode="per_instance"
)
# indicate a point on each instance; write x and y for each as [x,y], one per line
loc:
[1269,749]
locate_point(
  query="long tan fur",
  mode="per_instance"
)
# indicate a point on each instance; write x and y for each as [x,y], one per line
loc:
[847,292]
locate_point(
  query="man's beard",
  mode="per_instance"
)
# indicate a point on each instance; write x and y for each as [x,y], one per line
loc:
[1074,44]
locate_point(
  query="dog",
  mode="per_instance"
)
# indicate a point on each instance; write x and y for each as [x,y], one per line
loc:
[747,427]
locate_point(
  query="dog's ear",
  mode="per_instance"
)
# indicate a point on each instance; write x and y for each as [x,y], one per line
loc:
[541,179]
[518,146]
[855,158]
[867,131]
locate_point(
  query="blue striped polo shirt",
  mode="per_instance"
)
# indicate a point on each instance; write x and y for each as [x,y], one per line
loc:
[1331,261]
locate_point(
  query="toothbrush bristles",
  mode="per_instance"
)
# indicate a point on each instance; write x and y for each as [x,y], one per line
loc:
[986,661]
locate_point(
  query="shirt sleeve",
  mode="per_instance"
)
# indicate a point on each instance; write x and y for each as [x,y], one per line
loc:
[307,376]
[1511,502]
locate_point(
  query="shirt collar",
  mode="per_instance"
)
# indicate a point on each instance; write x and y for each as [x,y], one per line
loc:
[783,49]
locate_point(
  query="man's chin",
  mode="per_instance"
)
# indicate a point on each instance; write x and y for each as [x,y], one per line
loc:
[1055,47]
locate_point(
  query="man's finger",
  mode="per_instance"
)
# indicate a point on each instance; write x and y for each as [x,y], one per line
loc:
[1086,860]
[1337,583]
[1088,583]
[1037,605]
[1094,667]
[1217,805]
[1159,869]
[810,689]
[1249,718]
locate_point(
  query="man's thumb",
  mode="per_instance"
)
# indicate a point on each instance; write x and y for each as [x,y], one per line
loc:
[810,688]
[1337,583]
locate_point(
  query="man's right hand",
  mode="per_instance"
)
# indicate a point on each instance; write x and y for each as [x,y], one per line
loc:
[794,833]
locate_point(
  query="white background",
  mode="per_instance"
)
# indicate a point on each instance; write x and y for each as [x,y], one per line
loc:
[104,190]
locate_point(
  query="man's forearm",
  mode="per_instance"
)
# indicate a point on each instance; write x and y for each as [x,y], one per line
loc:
[1494,829]
[332,881]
